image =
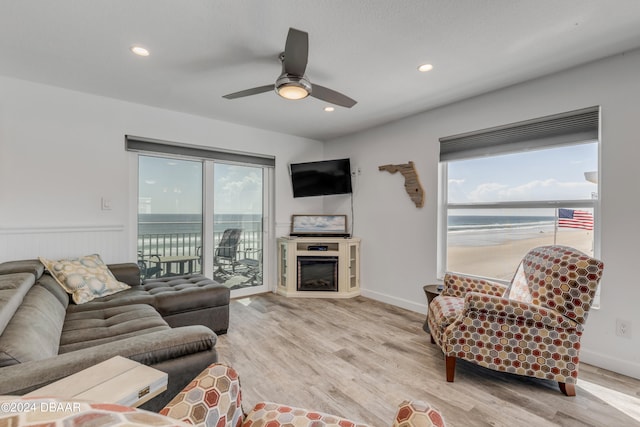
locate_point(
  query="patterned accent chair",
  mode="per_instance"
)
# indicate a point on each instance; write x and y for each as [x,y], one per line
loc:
[214,398]
[531,327]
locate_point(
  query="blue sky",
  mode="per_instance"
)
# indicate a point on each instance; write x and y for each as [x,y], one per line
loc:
[551,174]
[175,186]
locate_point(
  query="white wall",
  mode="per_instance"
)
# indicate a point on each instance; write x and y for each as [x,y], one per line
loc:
[399,240]
[62,151]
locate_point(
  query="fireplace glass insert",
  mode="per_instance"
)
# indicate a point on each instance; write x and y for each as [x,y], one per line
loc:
[317,273]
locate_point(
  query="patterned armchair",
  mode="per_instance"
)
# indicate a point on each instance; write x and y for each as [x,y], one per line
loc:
[531,327]
[214,398]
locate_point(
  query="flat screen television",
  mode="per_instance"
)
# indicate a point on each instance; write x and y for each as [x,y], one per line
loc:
[321,178]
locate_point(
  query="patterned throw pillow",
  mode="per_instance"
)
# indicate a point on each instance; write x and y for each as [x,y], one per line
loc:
[85,278]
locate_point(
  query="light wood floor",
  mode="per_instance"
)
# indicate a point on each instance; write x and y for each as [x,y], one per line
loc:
[360,358]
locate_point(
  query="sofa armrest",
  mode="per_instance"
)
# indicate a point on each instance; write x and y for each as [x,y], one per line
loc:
[151,349]
[516,312]
[458,285]
[127,272]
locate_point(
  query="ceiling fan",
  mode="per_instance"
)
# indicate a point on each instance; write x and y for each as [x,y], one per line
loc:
[293,83]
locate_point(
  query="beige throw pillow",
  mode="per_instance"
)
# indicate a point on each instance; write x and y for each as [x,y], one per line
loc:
[85,278]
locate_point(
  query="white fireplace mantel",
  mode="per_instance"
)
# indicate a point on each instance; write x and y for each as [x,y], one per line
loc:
[346,250]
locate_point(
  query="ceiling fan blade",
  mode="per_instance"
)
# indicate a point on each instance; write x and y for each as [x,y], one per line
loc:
[249,92]
[330,95]
[296,52]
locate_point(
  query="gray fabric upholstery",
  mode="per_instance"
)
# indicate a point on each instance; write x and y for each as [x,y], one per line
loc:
[180,293]
[93,327]
[153,349]
[181,300]
[47,338]
[32,266]
[34,330]
[214,318]
[128,273]
[50,284]
[13,288]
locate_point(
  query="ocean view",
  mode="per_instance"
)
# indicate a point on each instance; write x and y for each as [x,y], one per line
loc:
[492,246]
[482,230]
[192,223]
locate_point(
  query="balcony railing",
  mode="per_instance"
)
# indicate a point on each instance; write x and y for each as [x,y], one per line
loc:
[190,244]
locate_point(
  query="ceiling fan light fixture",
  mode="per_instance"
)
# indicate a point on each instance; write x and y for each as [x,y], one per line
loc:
[292,92]
[293,88]
[139,50]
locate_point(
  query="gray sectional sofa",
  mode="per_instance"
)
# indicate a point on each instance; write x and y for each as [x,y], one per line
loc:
[165,323]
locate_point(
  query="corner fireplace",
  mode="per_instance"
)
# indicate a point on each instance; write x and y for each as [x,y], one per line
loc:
[317,273]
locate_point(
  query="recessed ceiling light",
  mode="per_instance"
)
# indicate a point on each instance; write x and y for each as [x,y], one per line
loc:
[329,109]
[139,50]
[425,67]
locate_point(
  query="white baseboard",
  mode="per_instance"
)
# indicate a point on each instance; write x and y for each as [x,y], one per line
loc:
[399,302]
[605,361]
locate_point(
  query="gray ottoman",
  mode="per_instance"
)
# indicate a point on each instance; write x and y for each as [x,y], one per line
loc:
[192,299]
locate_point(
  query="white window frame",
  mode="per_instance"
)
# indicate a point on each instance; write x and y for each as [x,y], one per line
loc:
[475,144]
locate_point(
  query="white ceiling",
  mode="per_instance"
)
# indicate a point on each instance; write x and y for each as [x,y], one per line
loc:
[367,49]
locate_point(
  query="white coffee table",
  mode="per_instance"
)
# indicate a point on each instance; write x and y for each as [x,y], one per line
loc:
[117,380]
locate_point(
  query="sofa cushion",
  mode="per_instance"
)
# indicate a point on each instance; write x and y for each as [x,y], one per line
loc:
[13,288]
[169,295]
[34,330]
[85,278]
[89,328]
[133,295]
[185,293]
[50,284]
[32,266]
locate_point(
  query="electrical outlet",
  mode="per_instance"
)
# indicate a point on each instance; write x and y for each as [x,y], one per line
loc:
[623,328]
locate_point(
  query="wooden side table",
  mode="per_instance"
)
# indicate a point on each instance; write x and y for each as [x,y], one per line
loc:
[431,291]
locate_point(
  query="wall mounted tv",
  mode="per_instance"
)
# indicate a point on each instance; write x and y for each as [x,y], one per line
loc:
[321,178]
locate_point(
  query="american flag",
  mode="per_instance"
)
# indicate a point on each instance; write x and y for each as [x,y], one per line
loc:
[575,219]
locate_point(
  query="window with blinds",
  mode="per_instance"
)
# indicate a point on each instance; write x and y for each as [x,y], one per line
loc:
[506,189]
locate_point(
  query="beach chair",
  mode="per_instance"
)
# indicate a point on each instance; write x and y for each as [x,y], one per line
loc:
[226,253]
[531,327]
[149,265]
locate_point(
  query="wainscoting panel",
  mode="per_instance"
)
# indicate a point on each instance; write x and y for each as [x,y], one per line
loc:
[56,242]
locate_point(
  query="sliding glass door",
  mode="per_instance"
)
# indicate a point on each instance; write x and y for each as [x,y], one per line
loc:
[202,216]
[169,216]
[238,193]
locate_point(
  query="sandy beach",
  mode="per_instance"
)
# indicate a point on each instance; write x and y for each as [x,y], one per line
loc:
[501,260]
